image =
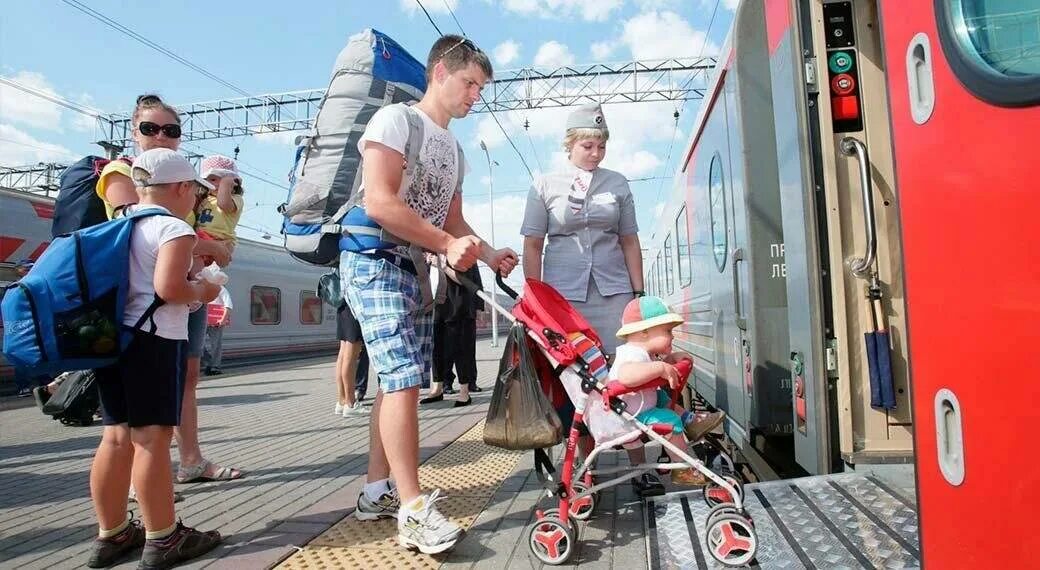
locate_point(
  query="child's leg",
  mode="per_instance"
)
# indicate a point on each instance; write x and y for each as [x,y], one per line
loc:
[152,475]
[679,441]
[110,476]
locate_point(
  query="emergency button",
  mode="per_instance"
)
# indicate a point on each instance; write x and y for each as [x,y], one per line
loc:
[845,108]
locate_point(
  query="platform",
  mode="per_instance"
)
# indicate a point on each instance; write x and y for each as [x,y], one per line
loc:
[839,521]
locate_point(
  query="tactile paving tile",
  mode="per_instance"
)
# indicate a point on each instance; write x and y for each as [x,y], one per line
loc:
[467,471]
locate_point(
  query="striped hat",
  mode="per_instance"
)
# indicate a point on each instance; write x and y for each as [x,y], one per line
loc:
[221,166]
[647,312]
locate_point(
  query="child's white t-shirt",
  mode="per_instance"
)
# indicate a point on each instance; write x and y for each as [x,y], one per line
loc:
[148,236]
[640,400]
[603,423]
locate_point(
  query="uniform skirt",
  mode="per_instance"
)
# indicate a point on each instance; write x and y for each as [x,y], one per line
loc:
[603,313]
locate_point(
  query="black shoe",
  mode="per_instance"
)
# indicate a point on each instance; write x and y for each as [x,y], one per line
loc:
[184,544]
[359,396]
[432,399]
[26,392]
[450,390]
[41,395]
[461,403]
[476,389]
[108,551]
[214,371]
[648,485]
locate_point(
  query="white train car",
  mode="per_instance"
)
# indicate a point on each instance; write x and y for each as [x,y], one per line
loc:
[276,308]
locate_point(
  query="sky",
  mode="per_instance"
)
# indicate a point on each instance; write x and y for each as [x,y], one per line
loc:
[268,47]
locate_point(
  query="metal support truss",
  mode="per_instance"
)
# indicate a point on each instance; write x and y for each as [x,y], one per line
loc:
[40,178]
[529,88]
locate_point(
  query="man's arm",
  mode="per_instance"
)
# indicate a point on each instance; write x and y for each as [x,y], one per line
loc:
[456,225]
[382,176]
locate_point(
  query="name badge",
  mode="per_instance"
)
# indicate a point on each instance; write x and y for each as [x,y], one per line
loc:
[604,199]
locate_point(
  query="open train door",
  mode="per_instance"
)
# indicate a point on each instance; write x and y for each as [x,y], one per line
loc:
[964,88]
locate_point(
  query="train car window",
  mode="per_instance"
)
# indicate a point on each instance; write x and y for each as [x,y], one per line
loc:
[660,274]
[265,305]
[311,312]
[682,246]
[993,46]
[719,221]
[669,282]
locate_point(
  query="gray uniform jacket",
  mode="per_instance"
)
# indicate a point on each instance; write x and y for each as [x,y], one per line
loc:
[586,244]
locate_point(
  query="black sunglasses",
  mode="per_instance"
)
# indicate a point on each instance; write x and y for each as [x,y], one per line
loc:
[150,129]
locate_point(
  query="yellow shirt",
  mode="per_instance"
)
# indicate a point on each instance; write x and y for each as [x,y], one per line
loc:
[217,222]
[120,167]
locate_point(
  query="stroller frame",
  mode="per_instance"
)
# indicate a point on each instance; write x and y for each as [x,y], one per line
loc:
[730,533]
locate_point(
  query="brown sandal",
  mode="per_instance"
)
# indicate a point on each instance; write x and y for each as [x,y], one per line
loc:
[197,473]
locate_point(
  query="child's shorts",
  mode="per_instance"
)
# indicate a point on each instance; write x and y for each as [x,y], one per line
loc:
[146,386]
[661,416]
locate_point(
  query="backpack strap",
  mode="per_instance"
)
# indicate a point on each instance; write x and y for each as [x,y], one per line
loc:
[149,315]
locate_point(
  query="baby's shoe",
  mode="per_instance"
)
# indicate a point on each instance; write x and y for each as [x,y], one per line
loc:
[688,477]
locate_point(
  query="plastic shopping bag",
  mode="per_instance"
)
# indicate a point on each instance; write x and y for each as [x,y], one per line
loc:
[520,415]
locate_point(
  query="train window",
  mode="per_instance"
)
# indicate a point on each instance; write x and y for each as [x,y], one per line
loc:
[668,263]
[682,246]
[311,310]
[719,221]
[265,305]
[659,264]
[994,47]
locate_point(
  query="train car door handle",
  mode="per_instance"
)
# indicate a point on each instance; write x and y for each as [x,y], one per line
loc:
[851,146]
[738,306]
[919,81]
[949,436]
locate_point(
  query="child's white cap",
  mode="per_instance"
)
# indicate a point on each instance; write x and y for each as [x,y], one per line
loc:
[164,166]
[219,165]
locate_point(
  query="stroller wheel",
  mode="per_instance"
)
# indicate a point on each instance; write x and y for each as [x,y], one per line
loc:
[724,509]
[583,508]
[715,494]
[731,539]
[551,541]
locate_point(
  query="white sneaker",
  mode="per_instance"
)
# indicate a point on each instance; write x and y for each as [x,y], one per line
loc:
[427,529]
[385,507]
[356,410]
[339,409]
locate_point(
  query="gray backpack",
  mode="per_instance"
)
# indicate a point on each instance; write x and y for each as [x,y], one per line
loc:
[372,71]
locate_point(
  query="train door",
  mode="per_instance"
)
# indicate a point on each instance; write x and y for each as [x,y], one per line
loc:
[964,86]
[843,252]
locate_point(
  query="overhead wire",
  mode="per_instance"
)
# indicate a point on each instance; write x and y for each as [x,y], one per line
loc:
[143,40]
[57,100]
[428,17]
[452,12]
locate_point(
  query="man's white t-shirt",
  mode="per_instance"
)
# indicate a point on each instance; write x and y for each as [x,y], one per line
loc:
[436,176]
[148,236]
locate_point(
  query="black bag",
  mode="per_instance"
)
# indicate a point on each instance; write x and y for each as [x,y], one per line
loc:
[520,415]
[329,289]
[78,205]
[76,401]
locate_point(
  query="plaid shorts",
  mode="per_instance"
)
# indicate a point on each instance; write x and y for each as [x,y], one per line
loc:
[386,299]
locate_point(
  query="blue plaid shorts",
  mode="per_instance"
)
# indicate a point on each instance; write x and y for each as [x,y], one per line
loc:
[386,300]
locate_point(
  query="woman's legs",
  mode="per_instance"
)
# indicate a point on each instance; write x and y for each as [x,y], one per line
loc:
[341,360]
[351,352]
[187,433]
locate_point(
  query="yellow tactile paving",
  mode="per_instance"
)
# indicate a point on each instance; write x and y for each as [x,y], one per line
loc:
[467,471]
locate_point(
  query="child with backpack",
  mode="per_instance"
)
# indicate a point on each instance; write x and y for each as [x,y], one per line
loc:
[217,214]
[141,393]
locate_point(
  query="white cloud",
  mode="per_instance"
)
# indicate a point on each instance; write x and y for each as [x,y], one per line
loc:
[508,215]
[506,52]
[553,54]
[588,10]
[81,122]
[432,6]
[20,107]
[20,148]
[730,5]
[602,50]
[663,35]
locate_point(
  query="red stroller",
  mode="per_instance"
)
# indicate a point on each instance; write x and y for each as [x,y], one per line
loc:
[570,344]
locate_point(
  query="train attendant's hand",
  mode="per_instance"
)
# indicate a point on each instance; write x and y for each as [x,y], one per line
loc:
[463,252]
[504,261]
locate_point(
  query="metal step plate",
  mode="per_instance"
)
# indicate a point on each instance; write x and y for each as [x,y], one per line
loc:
[835,521]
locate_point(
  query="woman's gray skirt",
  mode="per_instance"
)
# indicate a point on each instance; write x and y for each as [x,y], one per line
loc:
[604,314]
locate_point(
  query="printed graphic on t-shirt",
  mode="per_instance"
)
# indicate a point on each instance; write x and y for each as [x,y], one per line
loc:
[433,181]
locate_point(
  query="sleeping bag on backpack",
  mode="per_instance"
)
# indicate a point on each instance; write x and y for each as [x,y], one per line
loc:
[78,206]
[372,71]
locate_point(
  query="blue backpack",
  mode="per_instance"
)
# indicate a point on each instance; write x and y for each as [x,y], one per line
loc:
[67,313]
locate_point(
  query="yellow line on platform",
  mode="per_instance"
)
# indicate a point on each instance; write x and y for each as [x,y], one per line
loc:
[467,471]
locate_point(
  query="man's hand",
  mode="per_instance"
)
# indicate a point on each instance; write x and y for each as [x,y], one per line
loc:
[463,252]
[504,261]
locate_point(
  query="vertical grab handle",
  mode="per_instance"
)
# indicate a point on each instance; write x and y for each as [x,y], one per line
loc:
[851,146]
[949,436]
[738,306]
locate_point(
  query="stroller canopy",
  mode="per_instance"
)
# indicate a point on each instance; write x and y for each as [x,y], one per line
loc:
[553,320]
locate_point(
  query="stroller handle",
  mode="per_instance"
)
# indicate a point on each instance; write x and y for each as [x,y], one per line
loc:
[479,292]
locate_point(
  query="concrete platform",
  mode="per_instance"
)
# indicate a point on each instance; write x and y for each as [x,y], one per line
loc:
[304,469]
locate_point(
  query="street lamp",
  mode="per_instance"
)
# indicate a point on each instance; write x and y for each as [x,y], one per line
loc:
[494,282]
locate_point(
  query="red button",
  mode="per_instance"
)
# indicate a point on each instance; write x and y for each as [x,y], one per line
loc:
[845,108]
[843,84]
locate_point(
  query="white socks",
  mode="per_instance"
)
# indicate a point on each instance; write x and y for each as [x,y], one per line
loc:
[102,533]
[377,489]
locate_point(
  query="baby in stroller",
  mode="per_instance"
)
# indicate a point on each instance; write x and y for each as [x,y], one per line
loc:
[645,357]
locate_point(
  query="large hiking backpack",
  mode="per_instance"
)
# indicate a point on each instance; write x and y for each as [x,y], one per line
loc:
[77,399]
[67,313]
[78,205]
[372,71]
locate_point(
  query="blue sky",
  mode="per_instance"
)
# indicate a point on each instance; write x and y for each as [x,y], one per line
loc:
[268,47]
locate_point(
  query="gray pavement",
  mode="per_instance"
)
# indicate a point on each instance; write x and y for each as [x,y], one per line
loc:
[304,468]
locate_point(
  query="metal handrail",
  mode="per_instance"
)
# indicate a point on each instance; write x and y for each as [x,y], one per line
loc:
[851,146]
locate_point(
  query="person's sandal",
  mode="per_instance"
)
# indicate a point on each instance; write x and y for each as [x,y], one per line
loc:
[197,473]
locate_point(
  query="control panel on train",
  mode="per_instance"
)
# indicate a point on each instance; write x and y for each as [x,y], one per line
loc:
[842,71]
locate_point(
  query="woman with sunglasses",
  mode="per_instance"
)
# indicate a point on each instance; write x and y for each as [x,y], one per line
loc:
[158,125]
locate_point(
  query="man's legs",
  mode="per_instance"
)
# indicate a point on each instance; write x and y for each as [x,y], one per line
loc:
[361,378]
[394,445]
[110,476]
[217,348]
